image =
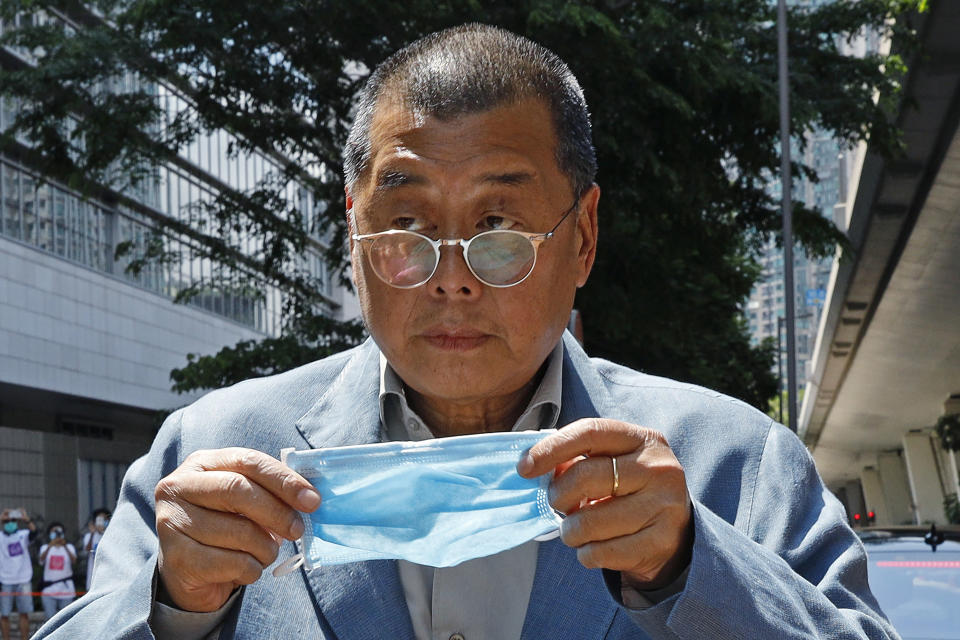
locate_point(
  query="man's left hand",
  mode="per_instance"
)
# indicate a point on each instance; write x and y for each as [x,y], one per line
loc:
[644,529]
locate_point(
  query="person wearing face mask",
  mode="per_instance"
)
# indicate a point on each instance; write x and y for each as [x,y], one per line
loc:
[57,557]
[16,569]
[99,520]
[473,217]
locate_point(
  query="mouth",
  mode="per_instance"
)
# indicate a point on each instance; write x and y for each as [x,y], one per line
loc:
[455,338]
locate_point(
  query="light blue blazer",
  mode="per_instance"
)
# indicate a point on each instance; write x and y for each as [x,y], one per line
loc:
[773,556]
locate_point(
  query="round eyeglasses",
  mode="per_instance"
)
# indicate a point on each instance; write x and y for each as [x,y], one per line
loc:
[497,258]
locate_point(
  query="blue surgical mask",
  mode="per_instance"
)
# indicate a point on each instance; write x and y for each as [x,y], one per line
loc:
[10,526]
[436,502]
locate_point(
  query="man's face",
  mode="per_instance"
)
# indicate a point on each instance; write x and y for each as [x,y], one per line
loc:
[455,339]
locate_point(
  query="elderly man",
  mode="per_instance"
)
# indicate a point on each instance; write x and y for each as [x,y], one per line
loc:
[473,217]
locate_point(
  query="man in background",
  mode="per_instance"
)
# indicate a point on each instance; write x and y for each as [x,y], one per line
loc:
[57,557]
[99,520]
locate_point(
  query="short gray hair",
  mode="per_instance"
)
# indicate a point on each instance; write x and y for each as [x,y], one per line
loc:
[472,68]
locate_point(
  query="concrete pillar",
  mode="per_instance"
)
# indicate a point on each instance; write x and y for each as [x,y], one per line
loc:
[949,477]
[955,465]
[873,495]
[854,498]
[894,489]
[923,472]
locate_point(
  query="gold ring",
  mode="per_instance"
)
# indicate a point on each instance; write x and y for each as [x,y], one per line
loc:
[616,476]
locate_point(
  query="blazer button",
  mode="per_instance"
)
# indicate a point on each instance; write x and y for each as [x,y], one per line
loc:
[457,636]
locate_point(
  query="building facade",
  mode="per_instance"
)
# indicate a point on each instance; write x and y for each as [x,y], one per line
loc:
[833,164]
[766,307]
[86,346]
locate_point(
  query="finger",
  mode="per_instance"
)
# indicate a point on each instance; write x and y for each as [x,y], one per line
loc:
[619,517]
[186,564]
[216,529]
[264,470]
[593,478]
[586,437]
[643,554]
[232,492]
[588,479]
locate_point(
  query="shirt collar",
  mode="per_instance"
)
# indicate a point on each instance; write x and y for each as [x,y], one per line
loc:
[400,422]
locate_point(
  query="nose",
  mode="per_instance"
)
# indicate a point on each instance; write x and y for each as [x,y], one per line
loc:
[453,277]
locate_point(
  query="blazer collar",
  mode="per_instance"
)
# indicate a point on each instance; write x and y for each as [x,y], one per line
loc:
[362,600]
[584,394]
[348,410]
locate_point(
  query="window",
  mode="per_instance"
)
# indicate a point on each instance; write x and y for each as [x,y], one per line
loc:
[11,201]
[44,217]
[98,485]
[60,225]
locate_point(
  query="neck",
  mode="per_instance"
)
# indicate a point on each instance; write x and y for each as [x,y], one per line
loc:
[457,418]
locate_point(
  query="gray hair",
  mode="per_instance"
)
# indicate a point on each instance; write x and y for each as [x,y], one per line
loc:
[469,69]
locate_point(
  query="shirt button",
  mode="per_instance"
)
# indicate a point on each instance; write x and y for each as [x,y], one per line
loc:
[414,425]
[457,636]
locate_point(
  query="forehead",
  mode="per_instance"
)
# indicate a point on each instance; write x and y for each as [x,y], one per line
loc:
[511,145]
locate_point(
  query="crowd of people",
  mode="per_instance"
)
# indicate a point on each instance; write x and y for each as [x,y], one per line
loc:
[57,564]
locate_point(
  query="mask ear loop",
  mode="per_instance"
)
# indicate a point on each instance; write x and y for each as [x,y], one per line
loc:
[290,565]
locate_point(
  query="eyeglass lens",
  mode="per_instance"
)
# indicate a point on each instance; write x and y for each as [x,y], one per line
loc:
[498,258]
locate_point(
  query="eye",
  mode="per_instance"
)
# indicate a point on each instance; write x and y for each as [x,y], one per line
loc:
[493,221]
[409,223]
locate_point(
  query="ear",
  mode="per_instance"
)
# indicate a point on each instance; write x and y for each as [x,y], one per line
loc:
[349,214]
[587,233]
[350,227]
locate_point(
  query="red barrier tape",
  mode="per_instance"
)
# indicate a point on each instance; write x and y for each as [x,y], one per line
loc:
[55,594]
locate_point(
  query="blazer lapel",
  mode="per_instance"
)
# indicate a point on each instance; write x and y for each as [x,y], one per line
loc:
[568,600]
[348,411]
[362,600]
[583,395]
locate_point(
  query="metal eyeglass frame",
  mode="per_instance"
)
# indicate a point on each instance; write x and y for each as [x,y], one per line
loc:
[536,239]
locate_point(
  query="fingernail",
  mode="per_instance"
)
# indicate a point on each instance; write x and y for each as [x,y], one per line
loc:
[525,464]
[309,499]
[296,527]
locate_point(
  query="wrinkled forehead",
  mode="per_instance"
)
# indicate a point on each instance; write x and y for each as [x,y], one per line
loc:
[398,124]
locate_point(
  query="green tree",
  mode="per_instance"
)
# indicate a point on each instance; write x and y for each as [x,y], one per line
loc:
[684,102]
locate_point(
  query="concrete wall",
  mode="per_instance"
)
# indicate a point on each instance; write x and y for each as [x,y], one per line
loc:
[72,330]
[22,470]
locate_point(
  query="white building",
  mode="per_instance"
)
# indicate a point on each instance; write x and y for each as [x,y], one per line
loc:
[86,349]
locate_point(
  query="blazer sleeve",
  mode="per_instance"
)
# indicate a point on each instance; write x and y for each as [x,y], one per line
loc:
[120,600]
[798,571]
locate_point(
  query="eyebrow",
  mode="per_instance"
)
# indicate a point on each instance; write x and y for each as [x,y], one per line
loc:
[510,179]
[393,179]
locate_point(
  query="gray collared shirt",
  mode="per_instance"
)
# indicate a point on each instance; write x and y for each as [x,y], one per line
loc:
[501,583]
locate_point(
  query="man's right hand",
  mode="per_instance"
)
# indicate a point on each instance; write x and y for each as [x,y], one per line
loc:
[220,517]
